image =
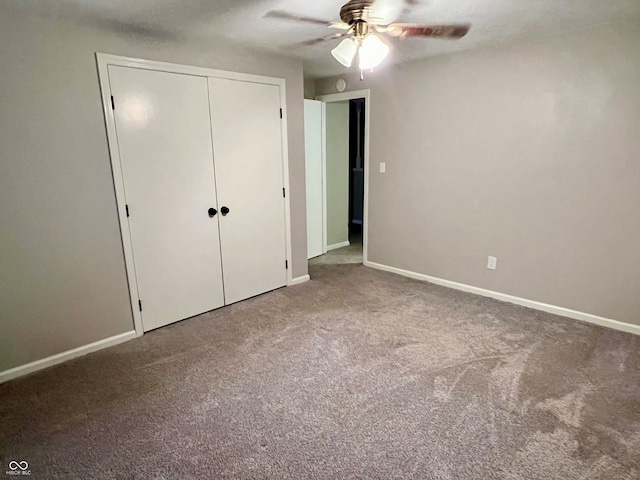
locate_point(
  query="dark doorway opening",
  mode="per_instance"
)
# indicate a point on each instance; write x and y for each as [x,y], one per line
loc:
[356,169]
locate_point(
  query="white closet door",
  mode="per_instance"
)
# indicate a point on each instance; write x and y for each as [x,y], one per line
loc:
[164,140]
[314,176]
[247,145]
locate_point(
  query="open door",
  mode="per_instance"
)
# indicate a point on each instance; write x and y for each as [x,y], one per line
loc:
[314,171]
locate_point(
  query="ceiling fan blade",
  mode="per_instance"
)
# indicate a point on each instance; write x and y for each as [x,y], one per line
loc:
[298,18]
[456,30]
[323,39]
[340,25]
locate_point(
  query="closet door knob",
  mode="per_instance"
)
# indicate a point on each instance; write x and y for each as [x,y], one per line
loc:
[212,212]
[224,211]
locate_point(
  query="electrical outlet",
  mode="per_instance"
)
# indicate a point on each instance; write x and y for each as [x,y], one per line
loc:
[492,262]
[383,167]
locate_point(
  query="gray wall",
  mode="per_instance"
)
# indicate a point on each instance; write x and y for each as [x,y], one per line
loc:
[62,272]
[529,153]
[337,152]
[309,89]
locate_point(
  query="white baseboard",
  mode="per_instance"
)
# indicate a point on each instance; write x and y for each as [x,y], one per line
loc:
[64,356]
[338,245]
[545,307]
[299,280]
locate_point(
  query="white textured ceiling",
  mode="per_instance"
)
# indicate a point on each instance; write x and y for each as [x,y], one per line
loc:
[493,21]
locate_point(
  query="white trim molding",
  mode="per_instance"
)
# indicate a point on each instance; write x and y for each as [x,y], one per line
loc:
[338,245]
[298,280]
[65,356]
[323,161]
[545,307]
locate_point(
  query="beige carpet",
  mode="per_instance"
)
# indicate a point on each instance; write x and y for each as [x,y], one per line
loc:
[356,374]
[340,256]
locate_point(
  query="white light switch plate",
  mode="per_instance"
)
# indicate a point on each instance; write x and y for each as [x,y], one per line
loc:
[492,262]
[383,167]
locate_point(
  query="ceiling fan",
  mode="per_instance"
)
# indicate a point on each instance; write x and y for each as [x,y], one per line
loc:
[364,22]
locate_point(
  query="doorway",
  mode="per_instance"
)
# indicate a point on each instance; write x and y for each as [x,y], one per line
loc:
[344,138]
[356,170]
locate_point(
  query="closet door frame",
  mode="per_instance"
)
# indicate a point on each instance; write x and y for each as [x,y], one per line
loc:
[103,61]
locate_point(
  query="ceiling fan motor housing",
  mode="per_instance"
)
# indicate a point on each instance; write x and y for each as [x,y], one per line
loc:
[355,10]
[360,29]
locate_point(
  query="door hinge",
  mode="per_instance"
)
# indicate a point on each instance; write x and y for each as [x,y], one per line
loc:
[113,103]
[284,192]
[286,264]
[126,207]
[280,111]
[140,304]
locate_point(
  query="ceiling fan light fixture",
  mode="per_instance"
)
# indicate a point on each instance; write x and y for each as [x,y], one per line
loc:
[372,52]
[345,52]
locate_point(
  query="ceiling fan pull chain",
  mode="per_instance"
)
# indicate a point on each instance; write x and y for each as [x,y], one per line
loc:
[361,75]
